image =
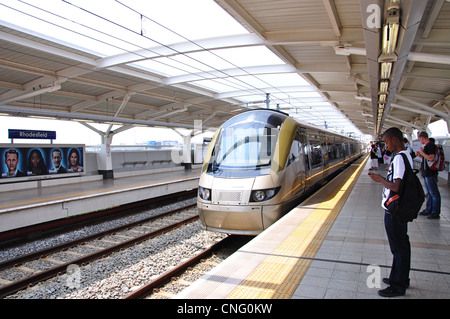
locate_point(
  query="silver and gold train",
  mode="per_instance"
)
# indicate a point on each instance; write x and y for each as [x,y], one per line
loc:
[259,164]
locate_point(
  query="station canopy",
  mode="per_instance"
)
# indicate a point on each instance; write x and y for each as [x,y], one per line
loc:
[169,63]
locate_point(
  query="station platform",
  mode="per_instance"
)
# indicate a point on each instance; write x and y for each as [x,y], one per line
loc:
[333,246]
[30,206]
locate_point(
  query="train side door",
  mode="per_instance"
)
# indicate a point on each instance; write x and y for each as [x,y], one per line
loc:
[295,165]
[325,158]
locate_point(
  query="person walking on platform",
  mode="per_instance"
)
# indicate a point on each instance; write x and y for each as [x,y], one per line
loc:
[430,177]
[396,231]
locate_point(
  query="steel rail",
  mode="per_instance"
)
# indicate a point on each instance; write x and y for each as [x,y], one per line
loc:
[45,252]
[166,277]
[61,269]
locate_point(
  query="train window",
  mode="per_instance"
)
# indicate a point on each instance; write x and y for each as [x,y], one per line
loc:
[301,133]
[337,148]
[297,146]
[331,147]
[296,149]
[306,152]
[294,153]
[244,147]
[344,149]
[316,155]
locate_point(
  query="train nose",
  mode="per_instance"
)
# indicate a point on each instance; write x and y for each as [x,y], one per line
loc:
[229,210]
[231,191]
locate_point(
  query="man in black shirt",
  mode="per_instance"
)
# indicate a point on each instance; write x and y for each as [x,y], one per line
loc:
[430,177]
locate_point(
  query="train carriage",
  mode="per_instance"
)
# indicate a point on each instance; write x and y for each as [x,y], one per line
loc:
[259,164]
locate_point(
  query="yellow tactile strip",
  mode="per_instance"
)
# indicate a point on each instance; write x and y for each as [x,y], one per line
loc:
[279,275]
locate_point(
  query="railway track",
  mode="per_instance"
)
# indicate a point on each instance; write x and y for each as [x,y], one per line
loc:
[51,229]
[172,282]
[148,288]
[103,244]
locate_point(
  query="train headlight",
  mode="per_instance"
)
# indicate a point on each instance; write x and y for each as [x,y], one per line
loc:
[204,193]
[263,194]
[259,196]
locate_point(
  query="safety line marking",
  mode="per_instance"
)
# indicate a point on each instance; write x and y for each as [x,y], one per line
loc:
[279,275]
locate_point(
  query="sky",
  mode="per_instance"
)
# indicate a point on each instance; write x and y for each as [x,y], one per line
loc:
[70,132]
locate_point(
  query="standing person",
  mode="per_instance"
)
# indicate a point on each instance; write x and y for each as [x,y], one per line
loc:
[396,231]
[408,147]
[373,158]
[387,157]
[430,177]
[379,154]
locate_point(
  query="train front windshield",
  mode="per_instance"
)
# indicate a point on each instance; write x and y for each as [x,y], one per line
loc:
[245,148]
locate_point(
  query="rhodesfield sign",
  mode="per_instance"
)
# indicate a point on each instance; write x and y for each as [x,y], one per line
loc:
[49,135]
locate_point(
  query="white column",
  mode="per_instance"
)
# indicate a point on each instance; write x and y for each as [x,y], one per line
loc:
[104,158]
[187,163]
[185,158]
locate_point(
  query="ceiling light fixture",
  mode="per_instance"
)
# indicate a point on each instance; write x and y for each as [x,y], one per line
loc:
[384,87]
[386,69]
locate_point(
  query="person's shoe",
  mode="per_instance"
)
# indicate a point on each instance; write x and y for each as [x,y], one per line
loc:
[434,216]
[424,213]
[388,282]
[390,292]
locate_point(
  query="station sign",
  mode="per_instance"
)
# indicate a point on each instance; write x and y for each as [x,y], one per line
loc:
[31,134]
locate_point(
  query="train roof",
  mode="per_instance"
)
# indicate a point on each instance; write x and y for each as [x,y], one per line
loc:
[303,124]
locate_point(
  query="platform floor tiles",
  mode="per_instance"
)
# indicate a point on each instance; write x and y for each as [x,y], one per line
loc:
[355,255]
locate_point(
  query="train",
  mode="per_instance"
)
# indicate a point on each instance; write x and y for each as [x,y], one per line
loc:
[258,166]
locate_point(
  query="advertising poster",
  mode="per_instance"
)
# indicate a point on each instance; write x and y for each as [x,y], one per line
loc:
[30,162]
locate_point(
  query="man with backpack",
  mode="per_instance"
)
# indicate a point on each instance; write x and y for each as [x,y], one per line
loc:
[430,177]
[396,227]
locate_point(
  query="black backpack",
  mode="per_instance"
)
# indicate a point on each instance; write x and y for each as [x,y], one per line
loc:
[406,204]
